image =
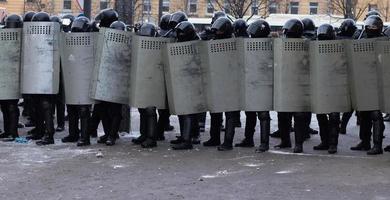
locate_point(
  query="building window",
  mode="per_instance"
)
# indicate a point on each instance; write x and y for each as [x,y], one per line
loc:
[272,8]
[313,8]
[255,7]
[147,7]
[210,6]
[165,5]
[294,7]
[193,6]
[67,4]
[103,4]
[372,7]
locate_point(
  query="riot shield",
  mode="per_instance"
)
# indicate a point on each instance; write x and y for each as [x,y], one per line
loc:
[222,67]
[382,49]
[77,59]
[291,76]
[41,58]
[111,75]
[329,77]
[147,81]
[257,74]
[184,78]
[10,56]
[362,67]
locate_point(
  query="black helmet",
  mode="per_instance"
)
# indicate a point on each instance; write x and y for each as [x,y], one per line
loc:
[41,17]
[148,30]
[222,28]
[240,27]
[347,28]
[259,29]
[66,23]
[28,16]
[94,26]
[217,15]
[373,26]
[55,19]
[308,25]
[176,18]
[326,32]
[185,31]
[81,24]
[164,22]
[118,25]
[371,13]
[293,28]
[13,21]
[106,17]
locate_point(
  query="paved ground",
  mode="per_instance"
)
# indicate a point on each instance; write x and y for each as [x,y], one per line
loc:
[63,171]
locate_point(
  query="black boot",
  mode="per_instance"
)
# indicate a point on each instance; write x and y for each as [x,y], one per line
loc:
[387,148]
[265,129]
[47,116]
[186,134]
[301,126]
[151,126]
[323,123]
[378,128]
[334,124]
[142,128]
[73,125]
[362,146]
[284,125]
[231,122]
[46,140]
[250,126]
[215,131]
[85,115]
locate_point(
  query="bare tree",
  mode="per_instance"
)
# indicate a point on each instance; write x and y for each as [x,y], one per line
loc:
[384,9]
[350,8]
[125,10]
[40,5]
[241,8]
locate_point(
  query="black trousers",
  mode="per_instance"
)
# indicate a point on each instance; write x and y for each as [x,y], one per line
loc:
[10,111]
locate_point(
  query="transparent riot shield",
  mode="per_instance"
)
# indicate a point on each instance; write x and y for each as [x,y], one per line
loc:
[329,77]
[41,58]
[111,75]
[382,49]
[257,74]
[291,76]
[78,61]
[362,67]
[147,81]
[222,67]
[10,56]
[184,78]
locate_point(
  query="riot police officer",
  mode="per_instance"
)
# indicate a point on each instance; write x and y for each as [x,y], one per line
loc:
[373,27]
[109,113]
[9,107]
[175,19]
[27,103]
[293,28]
[223,29]
[329,123]
[240,27]
[78,113]
[43,105]
[163,123]
[189,125]
[257,29]
[347,30]
[148,116]
[207,34]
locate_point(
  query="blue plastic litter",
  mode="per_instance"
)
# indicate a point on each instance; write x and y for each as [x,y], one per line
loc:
[21,140]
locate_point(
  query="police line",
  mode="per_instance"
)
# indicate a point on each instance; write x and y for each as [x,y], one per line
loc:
[286,75]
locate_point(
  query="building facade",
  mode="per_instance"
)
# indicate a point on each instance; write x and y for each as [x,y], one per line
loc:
[148,10]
